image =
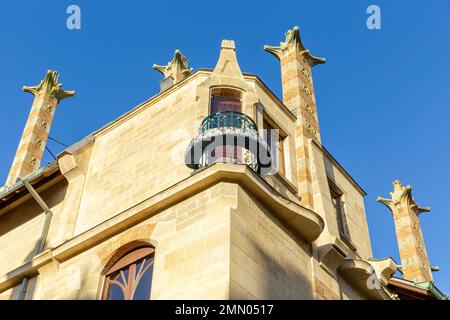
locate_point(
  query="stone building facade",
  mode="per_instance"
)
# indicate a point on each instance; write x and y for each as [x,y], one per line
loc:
[148,207]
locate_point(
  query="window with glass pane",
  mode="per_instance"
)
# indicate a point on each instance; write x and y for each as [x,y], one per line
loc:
[225,104]
[130,278]
[226,99]
[276,146]
[336,200]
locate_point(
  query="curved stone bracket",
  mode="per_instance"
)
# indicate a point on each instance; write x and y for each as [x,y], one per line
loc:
[363,277]
[332,254]
[384,268]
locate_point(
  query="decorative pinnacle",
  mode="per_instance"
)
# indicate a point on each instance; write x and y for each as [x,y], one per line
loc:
[51,86]
[402,195]
[291,44]
[178,68]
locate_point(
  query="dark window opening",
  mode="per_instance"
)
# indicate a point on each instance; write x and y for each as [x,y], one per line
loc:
[336,200]
[276,145]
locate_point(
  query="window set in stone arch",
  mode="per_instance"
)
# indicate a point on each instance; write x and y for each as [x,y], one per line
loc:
[130,278]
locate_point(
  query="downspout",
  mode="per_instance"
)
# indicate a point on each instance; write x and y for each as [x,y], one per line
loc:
[41,244]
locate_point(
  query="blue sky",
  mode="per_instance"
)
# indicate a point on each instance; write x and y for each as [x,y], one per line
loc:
[383,96]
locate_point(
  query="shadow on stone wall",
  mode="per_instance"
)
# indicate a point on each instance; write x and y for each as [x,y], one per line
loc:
[274,267]
[23,239]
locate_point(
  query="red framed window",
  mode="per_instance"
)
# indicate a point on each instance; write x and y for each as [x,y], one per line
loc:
[226,100]
[219,103]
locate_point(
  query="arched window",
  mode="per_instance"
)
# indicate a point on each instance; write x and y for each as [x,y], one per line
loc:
[225,99]
[130,278]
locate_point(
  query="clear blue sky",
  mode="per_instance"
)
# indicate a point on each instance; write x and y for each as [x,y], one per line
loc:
[383,96]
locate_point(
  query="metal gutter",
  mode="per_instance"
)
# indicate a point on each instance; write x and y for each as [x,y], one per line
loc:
[41,244]
[424,288]
[48,216]
[430,286]
[7,192]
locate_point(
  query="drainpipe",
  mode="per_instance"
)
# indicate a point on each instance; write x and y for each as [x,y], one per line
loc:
[41,244]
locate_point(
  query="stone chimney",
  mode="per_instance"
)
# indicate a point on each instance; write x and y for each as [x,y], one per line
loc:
[175,70]
[298,95]
[29,153]
[413,255]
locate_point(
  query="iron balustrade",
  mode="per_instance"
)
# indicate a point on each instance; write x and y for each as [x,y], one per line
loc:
[228,119]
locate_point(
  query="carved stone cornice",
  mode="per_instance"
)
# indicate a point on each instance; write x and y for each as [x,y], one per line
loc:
[178,68]
[293,43]
[50,86]
[402,197]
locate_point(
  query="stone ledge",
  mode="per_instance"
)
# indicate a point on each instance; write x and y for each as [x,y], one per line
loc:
[303,222]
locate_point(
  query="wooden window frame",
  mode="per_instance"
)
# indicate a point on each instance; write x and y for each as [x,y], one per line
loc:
[224,93]
[279,155]
[130,259]
[337,194]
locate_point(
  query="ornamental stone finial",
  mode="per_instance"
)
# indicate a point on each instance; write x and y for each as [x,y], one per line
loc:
[402,197]
[227,64]
[50,85]
[292,44]
[177,69]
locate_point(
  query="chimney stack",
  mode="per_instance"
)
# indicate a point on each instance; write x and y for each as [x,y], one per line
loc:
[298,95]
[413,255]
[29,153]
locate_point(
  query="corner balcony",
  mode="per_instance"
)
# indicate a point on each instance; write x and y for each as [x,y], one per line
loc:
[228,137]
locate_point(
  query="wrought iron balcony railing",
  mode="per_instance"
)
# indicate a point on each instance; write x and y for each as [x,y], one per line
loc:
[226,132]
[228,119]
